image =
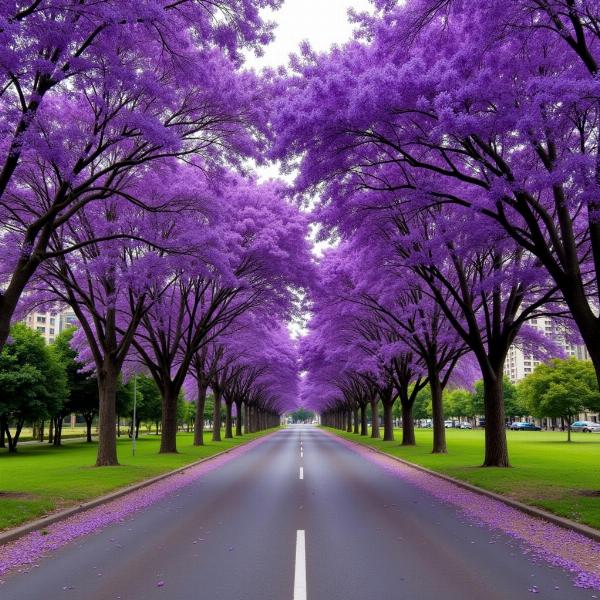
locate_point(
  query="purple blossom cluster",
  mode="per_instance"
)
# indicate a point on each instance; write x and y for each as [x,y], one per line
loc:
[541,540]
[29,549]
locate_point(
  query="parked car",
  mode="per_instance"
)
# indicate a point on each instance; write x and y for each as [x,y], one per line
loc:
[466,426]
[448,424]
[586,426]
[524,426]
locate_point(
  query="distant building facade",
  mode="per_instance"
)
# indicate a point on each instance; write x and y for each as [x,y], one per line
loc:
[50,323]
[518,364]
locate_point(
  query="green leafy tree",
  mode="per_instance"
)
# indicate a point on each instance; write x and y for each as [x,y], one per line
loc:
[33,384]
[513,406]
[149,408]
[561,389]
[209,408]
[422,405]
[458,403]
[124,401]
[301,415]
[189,415]
[82,394]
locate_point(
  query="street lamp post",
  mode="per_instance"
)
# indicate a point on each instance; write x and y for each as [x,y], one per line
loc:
[133,428]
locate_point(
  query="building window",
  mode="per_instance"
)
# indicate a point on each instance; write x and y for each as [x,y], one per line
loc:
[52,320]
[41,329]
[41,319]
[51,330]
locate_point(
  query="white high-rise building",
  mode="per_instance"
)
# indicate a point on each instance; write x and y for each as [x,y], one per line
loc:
[518,364]
[50,323]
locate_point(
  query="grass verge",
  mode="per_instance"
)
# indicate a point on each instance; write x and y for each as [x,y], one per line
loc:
[546,471]
[40,479]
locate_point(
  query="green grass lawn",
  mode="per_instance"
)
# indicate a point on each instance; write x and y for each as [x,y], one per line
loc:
[67,433]
[546,471]
[39,479]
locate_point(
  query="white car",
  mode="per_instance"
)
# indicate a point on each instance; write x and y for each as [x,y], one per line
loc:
[586,426]
[466,426]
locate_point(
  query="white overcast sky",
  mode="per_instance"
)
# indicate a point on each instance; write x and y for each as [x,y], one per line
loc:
[321,22]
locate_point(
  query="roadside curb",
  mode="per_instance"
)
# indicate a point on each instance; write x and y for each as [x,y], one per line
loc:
[540,513]
[12,534]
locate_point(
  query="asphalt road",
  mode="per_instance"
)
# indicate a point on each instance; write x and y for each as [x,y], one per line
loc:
[234,535]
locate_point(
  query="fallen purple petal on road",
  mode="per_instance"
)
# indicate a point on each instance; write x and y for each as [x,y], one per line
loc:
[28,549]
[541,540]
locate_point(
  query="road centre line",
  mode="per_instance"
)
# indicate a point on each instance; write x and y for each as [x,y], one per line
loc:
[300,568]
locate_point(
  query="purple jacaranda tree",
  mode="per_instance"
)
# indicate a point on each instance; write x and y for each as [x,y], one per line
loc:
[267,257]
[382,312]
[423,347]
[256,353]
[491,106]
[137,256]
[203,368]
[486,288]
[91,94]
[270,385]
[345,331]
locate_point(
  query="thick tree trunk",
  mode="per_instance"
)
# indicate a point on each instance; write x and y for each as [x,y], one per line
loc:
[355,419]
[496,448]
[228,421]
[23,270]
[41,432]
[249,420]
[168,436]
[364,426]
[349,421]
[388,420]
[375,418]
[238,420]
[408,424]
[13,440]
[5,318]
[3,426]
[88,429]
[246,418]
[437,414]
[216,433]
[51,431]
[199,420]
[107,415]
[58,425]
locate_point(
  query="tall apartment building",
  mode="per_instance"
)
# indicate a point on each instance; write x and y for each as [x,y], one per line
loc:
[50,323]
[518,364]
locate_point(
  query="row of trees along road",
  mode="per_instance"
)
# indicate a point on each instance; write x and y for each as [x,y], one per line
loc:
[460,184]
[126,128]
[452,148]
[42,384]
[558,391]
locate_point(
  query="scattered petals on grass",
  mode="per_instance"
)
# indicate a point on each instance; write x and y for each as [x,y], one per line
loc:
[540,539]
[28,549]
